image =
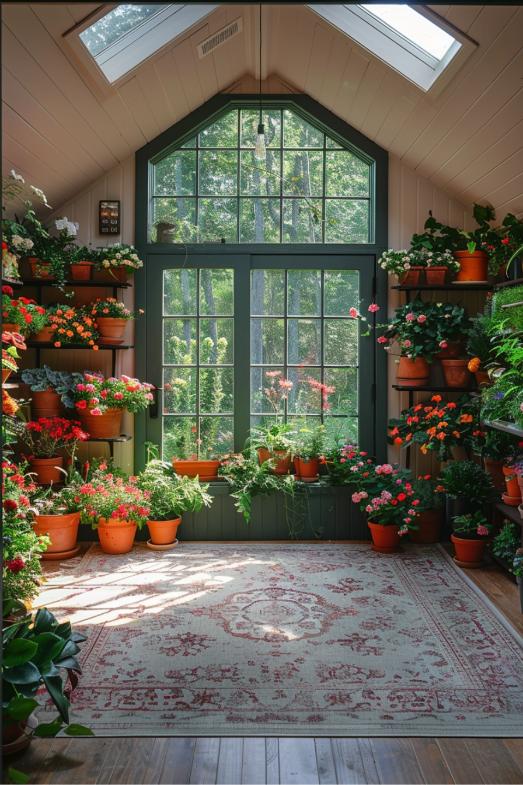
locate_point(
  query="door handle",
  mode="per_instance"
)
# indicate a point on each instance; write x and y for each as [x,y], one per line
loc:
[153,408]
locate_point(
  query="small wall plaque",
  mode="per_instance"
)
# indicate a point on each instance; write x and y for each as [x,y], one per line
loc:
[109,217]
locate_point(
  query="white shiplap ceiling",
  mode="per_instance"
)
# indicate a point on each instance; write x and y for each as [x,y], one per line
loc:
[62,131]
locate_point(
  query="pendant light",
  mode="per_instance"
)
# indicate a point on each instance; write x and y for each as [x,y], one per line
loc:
[260,149]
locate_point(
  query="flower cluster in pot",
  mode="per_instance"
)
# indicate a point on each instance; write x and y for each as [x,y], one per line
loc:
[401,262]
[119,257]
[11,344]
[22,313]
[72,325]
[386,494]
[46,439]
[110,316]
[96,394]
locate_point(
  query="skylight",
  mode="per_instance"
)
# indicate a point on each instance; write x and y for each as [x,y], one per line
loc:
[130,33]
[409,41]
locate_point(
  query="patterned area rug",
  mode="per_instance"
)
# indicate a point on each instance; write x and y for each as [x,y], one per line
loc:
[287,639]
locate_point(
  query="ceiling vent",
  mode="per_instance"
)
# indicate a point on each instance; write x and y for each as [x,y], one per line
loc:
[220,38]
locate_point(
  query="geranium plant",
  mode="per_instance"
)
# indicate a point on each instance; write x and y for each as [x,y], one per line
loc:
[107,496]
[109,308]
[472,526]
[119,257]
[46,436]
[94,392]
[399,262]
[386,495]
[22,311]
[72,325]
[423,329]
[343,461]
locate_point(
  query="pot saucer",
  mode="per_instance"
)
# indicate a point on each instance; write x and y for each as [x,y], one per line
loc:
[472,565]
[307,479]
[511,501]
[168,547]
[466,283]
[22,742]
[383,549]
[59,555]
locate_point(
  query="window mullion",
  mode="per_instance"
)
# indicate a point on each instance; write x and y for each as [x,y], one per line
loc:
[242,346]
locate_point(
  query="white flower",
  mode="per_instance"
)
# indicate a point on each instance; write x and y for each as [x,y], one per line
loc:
[17,177]
[406,266]
[106,263]
[22,243]
[69,227]
[40,195]
[118,255]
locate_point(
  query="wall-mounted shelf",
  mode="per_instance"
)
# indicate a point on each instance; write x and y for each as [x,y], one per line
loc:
[42,282]
[513,282]
[431,388]
[102,347]
[112,439]
[512,513]
[12,282]
[505,427]
[444,287]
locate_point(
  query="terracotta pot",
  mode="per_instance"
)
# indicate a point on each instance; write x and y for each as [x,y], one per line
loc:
[474,266]
[40,268]
[62,529]
[452,351]
[110,328]
[512,497]
[520,483]
[205,470]
[116,536]
[435,276]
[6,373]
[45,403]
[495,469]
[411,277]
[45,335]
[11,327]
[456,373]
[163,532]
[81,271]
[116,275]
[46,469]
[281,457]
[459,454]
[429,527]
[385,539]
[468,553]
[102,426]
[308,468]
[413,373]
[482,378]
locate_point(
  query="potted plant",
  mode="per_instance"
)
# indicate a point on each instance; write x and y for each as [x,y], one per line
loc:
[309,447]
[406,265]
[57,516]
[111,317]
[274,443]
[100,402]
[470,535]
[12,342]
[51,248]
[50,390]
[37,649]
[385,493]
[439,265]
[117,262]
[81,263]
[506,543]
[429,493]
[479,348]
[496,448]
[341,461]
[512,471]
[115,507]
[467,486]
[169,497]
[72,325]
[21,315]
[45,438]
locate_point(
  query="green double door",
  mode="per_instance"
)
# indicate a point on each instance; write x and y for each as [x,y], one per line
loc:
[235,339]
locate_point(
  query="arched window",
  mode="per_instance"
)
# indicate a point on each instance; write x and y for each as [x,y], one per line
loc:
[312,186]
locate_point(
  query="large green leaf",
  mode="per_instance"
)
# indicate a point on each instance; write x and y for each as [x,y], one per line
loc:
[69,650]
[20,708]
[55,688]
[48,729]
[78,730]
[49,669]
[18,651]
[63,630]
[44,621]
[17,776]
[50,646]
[68,662]
[22,674]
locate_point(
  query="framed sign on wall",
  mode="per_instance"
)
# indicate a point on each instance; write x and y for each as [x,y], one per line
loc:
[109,216]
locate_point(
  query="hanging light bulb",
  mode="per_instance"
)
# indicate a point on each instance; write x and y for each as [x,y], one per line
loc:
[260,150]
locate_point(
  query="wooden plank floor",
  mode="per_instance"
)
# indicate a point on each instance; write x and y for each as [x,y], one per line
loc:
[288,760]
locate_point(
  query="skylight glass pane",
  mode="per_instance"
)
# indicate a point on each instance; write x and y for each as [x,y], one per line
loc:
[413,26]
[115,24]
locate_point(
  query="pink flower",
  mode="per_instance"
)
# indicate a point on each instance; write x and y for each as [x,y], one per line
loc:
[80,387]
[89,387]
[96,412]
[482,531]
[118,396]
[421,318]
[369,508]
[407,343]
[353,313]
[410,317]
[285,384]
[373,308]
[443,344]
[382,339]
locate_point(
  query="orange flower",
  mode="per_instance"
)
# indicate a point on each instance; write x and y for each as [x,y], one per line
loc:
[474,364]
[69,333]
[466,418]
[398,440]
[442,436]
[456,434]
[436,398]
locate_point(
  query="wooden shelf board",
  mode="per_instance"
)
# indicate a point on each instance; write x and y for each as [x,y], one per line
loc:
[103,347]
[444,287]
[505,427]
[512,513]
[432,388]
[505,284]
[124,437]
[93,284]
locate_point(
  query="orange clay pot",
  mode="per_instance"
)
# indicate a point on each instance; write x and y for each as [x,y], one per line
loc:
[45,335]
[62,530]
[429,527]
[81,271]
[45,403]
[111,329]
[205,470]
[47,469]
[116,536]
[452,351]
[512,497]
[495,469]
[482,379]
[282,460]
[468,553]
[412,373]
[411,277]
[385,539]
[114,275]
[11,327]
[40,268]
[456,373]
[435,276]
[163,532]
[6,373]
[307,468]
[102,426]
[474,266]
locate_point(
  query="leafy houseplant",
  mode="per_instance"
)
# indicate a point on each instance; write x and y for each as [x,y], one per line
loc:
[274,443]
[21,314]
[468,488]
[49,389]
[428,491]
[479,347]
[506,315]
[249,478]
[470,534]
[81,263]
[100,402]
[506,543]
[37,649]
[45,438]
[407,265]
[497,447]
[310,443]
[57,515]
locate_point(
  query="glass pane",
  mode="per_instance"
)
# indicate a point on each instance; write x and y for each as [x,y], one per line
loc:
[174,220]
[221,133]
[341,292]
[216,292]
[260,220]
[190,142]
[218,173]
[263,420]
[217,221]
[267,292]
[179,386]
[179,292]
[216,390]
[266,392]
[344,398]
[301,423]
[299,133]
[304,341]
[216,436]
[260,178]
[179,341]
[342,430]
[176,174]
[272,127]
[304,397]
[179,437]
[304,292]
[330,144]
[302,221]
[216,341]
[341,342]
[346,221]
[267,336]
[116,24]
[346,175]
[302,173]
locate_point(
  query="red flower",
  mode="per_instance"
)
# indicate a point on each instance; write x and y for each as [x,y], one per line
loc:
[15,565]
[401,497]
[10,504]
[505,241]
[7,289]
